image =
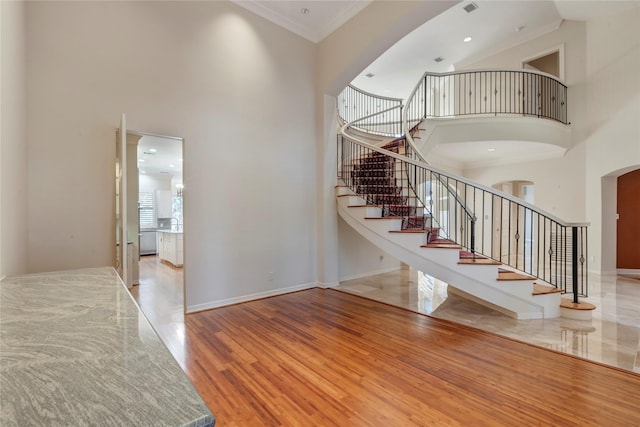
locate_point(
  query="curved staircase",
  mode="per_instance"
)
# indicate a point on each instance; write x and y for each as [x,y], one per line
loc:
[515,258]
[381,210]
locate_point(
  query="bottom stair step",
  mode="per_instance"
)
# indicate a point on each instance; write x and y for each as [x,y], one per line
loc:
[568,303]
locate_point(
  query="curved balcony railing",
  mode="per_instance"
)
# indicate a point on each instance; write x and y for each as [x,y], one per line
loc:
[487,92]
[383,114]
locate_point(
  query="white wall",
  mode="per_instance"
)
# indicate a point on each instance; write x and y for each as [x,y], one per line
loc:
[613,142]
[559,183]
[13,140]
[235,86]
[358,257]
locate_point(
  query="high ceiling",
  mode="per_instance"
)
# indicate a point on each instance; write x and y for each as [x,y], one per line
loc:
[494,26]
[313,20]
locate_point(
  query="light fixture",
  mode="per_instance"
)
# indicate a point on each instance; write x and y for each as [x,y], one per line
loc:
[140,160]
[467,39]
[438,59]
[520,28]
[152,150]
[172,166]
[304,11]
[491,150]
[369,75]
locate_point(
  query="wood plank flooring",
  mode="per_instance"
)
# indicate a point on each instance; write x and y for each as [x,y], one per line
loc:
[325,358]
[322,357]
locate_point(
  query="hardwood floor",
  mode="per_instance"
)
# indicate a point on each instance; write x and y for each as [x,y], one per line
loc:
[323,357]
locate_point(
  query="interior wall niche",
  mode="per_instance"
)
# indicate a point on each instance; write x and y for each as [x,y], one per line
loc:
[550,62]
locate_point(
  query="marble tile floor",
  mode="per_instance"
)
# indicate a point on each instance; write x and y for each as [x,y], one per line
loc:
[612,336]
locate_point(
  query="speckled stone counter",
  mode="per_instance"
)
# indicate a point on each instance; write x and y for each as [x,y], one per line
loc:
[75,350]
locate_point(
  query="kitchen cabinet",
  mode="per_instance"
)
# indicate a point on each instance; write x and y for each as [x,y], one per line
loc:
[170,247]
[163,204]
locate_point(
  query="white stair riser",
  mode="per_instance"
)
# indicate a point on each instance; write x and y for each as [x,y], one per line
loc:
[520,288]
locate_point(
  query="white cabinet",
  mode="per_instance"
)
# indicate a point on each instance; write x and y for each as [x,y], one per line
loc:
[163,204]
[170,247]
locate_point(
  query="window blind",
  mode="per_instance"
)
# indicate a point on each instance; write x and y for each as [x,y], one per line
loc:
[146,207]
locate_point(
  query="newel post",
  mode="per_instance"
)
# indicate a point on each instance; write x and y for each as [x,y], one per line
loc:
[574,262]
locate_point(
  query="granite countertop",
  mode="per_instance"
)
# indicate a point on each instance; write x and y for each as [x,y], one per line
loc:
[75,349]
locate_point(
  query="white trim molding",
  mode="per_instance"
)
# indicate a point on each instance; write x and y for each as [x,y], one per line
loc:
[250,297]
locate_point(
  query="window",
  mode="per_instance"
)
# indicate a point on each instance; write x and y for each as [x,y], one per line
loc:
[145,208]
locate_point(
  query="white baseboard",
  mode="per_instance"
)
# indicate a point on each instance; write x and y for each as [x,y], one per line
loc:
[328,285]
[250,297]
[370,273]
[629,271]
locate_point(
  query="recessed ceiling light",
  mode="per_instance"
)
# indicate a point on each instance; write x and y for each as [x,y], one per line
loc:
[467,39]
[370,75]
[520,28]
[140,160]
[152,150]
[141,171]
[172,166]
[438,59]
[304,11]
[491,150]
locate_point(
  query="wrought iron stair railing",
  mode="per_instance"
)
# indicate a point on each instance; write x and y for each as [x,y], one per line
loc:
[486,92]
[378,115]
[482,220]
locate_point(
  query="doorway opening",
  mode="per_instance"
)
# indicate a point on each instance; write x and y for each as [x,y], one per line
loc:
[158,196]
[503,220]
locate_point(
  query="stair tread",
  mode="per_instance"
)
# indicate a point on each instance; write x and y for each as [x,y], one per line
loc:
[383,217]
[512,275]
[409,230]
[442,246]
[568,303]
[539,289]
[478,261]
[468,254]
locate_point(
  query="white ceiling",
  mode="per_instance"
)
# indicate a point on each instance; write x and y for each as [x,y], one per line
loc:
[321,17]
[492,27]
[166,159]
